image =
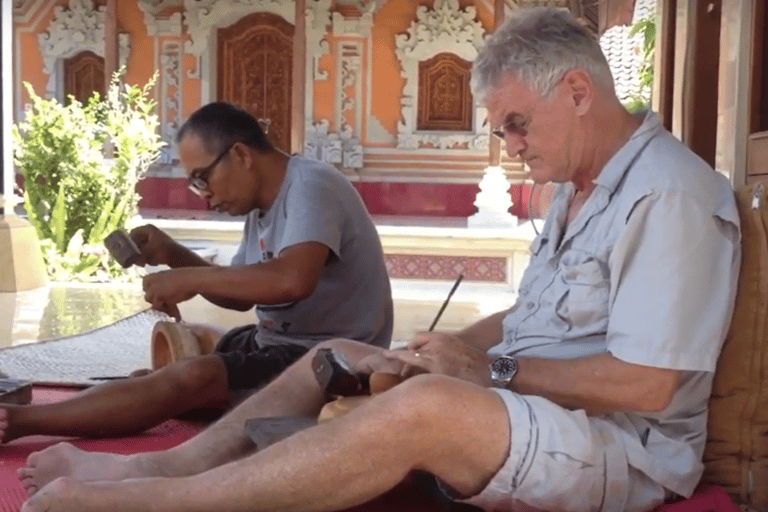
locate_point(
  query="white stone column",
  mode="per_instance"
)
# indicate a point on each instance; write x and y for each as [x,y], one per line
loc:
[493,201]
[6,74]
[21,263]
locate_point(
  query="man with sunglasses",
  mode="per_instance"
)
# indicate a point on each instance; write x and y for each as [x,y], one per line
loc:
[310,261]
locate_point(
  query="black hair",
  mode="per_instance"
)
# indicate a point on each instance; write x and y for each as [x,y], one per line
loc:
[221,124]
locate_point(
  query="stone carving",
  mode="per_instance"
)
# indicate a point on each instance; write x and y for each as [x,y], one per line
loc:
[333,148]
[170,115]
[157,23]
[359,26]
[203,17]
[434,31]
[73,30]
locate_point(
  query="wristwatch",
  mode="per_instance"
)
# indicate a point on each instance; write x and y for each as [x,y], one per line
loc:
[503,370]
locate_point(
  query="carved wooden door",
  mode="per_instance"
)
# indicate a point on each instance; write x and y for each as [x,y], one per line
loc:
[84,75]
[255,60]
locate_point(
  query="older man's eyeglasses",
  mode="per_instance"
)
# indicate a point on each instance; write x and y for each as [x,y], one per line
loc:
[515,124]
[198,181]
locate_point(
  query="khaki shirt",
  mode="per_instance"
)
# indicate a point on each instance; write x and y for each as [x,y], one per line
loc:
[647,272]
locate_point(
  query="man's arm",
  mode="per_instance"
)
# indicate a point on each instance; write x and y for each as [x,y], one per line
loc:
[599,384]
[485,333]
[289,277]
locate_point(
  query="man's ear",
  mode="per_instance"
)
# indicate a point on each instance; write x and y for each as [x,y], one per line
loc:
[242,154]
[580,88]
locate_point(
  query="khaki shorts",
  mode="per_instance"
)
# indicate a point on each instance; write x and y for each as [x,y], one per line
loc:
[564,460]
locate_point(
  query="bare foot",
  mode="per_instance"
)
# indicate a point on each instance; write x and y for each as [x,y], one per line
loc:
[7,431]
[59,496]
[4,421]
[64,460]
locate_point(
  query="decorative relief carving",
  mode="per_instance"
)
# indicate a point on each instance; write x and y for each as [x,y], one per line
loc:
[354,26]
[204,16]
[317,46]
[446,26]
[445,100]
[333,148]
[84,75]
[157,19]
[255,63]
[350,70]
[76,29]
[350,104]
[170,115]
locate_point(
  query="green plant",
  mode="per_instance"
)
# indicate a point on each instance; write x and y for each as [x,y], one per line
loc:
[646,27]
[80,165]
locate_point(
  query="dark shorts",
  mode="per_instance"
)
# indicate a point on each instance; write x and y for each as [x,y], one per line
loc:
[248,365]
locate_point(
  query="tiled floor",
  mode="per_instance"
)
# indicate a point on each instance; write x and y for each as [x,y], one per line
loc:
[66,309]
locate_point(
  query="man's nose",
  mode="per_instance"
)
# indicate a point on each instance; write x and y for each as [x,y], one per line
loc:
[515,143]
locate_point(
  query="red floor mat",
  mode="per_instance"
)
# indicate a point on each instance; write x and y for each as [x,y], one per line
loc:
[404,498]
[14,455]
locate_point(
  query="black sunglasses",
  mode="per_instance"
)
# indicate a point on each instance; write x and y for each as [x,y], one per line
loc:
[198,182]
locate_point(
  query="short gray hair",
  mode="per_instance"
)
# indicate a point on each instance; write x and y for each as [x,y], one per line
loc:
[538,47]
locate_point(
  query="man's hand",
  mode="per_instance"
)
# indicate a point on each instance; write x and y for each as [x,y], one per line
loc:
[383,362]
[431,352]
[166,289]
[155,245]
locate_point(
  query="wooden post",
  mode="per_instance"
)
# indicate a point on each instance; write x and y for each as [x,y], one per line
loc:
[697,52]
[699,101]
[299,78]
[664,61]
[111,45]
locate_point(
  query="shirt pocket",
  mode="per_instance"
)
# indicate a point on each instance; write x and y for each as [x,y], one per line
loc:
[584,302]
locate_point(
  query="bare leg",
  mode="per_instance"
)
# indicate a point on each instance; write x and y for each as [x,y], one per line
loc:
[431,423]
[295,392]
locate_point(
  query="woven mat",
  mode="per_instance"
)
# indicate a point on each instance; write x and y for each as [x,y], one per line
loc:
[114,350]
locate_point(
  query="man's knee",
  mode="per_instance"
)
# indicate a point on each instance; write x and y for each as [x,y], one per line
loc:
[431,400]
[204,374]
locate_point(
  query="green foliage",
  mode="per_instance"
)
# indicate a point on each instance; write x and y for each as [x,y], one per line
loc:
[646,27]
[80,165]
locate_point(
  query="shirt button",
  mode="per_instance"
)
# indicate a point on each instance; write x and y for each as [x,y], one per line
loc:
[530,305]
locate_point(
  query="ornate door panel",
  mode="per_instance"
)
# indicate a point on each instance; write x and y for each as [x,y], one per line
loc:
[84,75]
[445,98]
[255,59]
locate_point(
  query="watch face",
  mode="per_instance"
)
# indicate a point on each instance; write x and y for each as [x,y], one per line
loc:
[504,367]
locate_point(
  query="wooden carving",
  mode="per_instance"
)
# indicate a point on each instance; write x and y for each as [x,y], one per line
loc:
[84,75]
[445,98]
[255,63]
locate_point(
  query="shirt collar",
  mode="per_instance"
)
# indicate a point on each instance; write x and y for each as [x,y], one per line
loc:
[616,168]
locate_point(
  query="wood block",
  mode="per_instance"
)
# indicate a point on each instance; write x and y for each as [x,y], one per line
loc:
[14,391]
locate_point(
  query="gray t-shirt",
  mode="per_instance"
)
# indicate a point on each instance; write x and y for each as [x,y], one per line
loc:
[647,272]
[353,299]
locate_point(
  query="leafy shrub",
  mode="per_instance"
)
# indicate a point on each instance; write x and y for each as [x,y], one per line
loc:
[80,165]
[646,27]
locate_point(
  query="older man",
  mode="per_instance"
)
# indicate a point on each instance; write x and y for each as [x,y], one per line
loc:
[589,394]
[310,261]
